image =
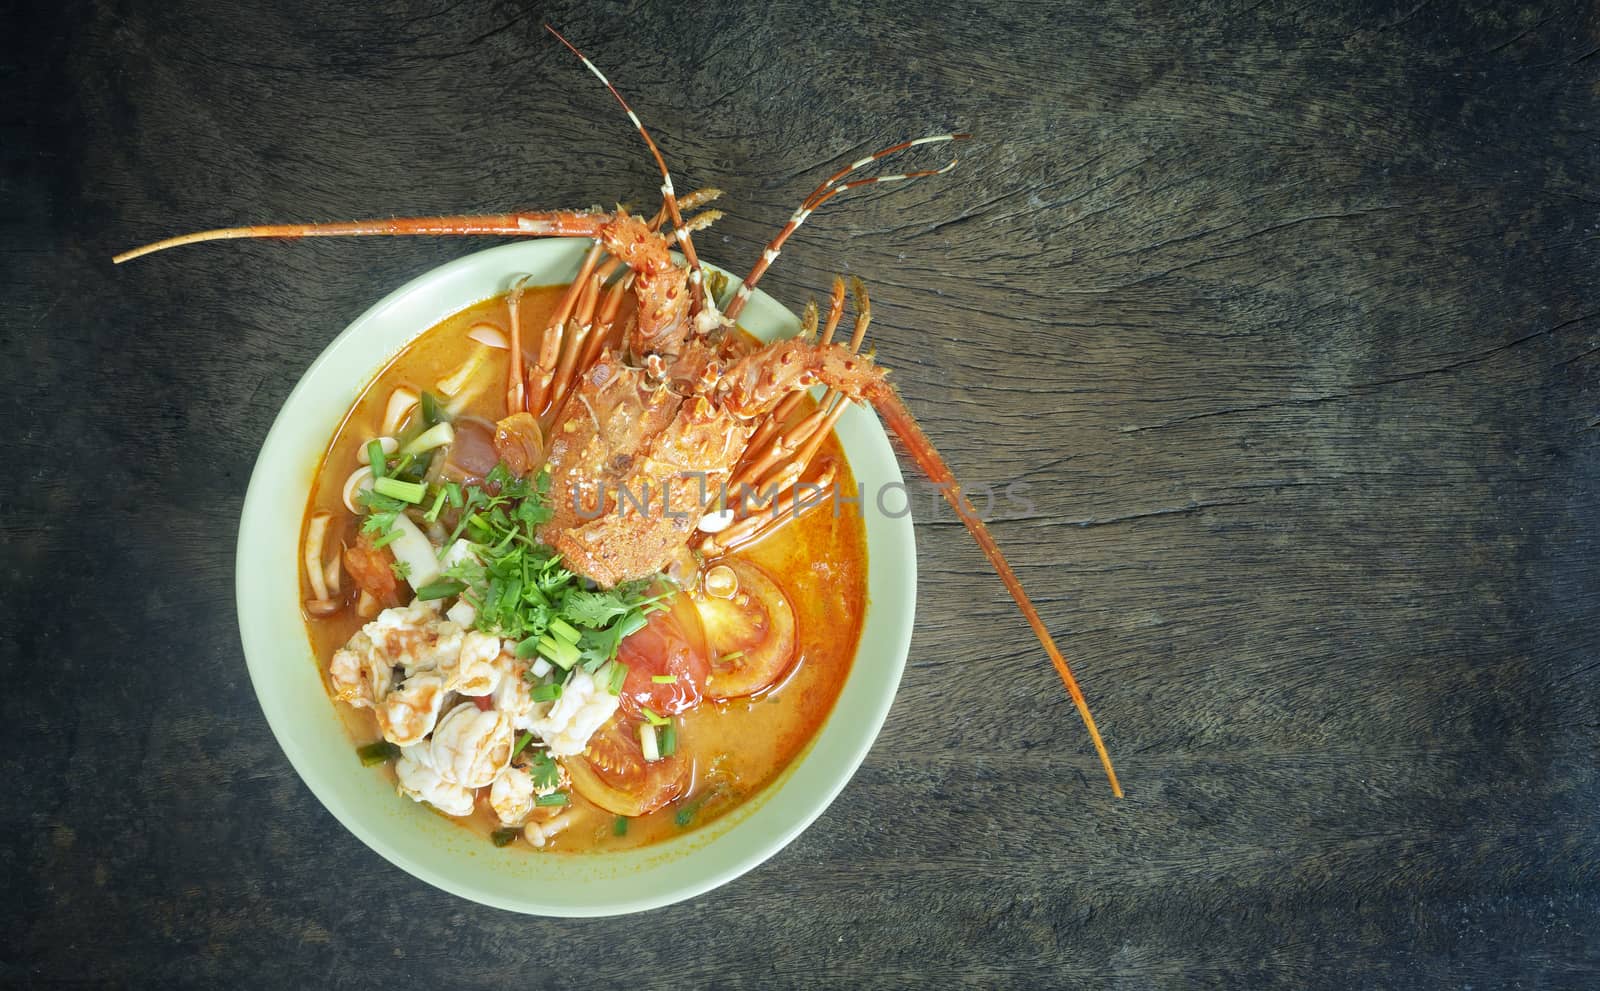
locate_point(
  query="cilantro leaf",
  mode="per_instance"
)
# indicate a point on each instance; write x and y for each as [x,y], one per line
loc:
[378,503]
[593,609]
[378,523]
[546,772]
[518,586]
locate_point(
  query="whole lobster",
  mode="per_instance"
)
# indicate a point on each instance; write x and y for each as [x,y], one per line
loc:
[673,400]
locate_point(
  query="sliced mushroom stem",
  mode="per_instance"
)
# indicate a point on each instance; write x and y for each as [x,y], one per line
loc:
[330,574]
[456,380]
[401,402]
[489,335]
[316,534]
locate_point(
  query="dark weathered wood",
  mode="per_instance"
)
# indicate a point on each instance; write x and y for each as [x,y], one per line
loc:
[1285,315]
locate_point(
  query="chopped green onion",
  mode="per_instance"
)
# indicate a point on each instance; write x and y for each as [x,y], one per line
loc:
[648,743]
[554,798]
[440,590]
[452,492]
[376,457]
[411,492]
[731,656]
[509,594]
[655,720]
[619,827]
[558,652]
[395,533]
[417,468]
[619,674]
[437,435]
[432,515]
[404,462]
[686,814]
[664,679]
[669,739]
[564,630]
[631,624]
[546,693]
[522,744]
[502,837]
[432,412]
[377,753]
[527,648]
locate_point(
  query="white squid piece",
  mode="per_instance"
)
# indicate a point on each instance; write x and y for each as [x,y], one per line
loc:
[472,746]
[584,706]
[421,781]
[411,710]
[473,671]
[415,637]
[359,673]
[512,695]
[511,796]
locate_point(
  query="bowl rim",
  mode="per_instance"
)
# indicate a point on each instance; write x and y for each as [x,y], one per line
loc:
[891,580]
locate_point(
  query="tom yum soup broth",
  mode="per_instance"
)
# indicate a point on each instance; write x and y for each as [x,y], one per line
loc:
[547,605]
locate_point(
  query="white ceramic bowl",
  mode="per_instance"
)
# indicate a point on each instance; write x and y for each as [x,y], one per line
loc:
[288,683]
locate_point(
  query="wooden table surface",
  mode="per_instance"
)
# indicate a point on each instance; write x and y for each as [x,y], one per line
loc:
[1285,315]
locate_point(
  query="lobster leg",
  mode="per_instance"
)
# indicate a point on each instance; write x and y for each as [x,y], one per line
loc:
[551,341]
[566,223]
[516,385]
[760,381]
[780,416]
[580,327]
[780,508]
[887,402]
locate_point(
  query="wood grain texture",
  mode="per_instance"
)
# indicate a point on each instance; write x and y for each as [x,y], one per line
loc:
[1286,316]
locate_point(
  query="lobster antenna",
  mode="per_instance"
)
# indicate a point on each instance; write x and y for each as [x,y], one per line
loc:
[893,409]
[827,191]
[668,195]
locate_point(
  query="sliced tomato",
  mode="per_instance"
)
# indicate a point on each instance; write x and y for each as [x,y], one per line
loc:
[371,568]
[671,644]
[751,635]
[613,774]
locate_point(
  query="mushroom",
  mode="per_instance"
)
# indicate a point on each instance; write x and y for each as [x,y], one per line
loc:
[401,402]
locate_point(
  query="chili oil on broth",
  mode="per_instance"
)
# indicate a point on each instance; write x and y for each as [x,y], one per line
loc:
[736,747]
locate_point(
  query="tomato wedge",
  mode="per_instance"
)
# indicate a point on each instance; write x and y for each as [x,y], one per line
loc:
[671,644]
[614,775]
[370,567]
[751,636]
